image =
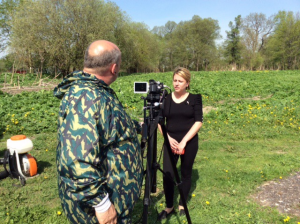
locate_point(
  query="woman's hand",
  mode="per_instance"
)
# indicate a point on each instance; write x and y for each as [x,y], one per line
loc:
[181,148]
[173,144]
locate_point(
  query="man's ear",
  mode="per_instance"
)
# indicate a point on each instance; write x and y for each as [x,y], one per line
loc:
[113,68]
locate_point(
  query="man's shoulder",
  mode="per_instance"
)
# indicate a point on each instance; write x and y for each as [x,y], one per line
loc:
[87,88]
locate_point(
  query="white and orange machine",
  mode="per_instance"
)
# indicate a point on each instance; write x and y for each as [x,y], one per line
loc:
[21,165]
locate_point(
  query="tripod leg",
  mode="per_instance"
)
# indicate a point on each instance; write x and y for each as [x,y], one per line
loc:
[150,180]
[178,182]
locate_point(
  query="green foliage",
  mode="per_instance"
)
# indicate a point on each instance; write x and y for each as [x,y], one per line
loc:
[7,8]
[63,31]
[233,42]
[6,63]
[24,80]
[284,46]
[29,112]
[250,136]
[57,36]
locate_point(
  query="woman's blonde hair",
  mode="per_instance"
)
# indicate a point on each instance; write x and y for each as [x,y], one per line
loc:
[184,73]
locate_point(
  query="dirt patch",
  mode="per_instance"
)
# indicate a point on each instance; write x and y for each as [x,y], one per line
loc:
[207,109]
[280,152]
[255,98]
[284,195]
[17,90]
[259,97]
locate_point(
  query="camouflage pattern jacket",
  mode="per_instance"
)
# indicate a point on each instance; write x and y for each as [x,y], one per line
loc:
[98,151]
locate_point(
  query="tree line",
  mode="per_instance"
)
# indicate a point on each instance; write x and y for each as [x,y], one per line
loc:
[52,35]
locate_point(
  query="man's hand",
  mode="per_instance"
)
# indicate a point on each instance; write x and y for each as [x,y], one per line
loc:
[108,217]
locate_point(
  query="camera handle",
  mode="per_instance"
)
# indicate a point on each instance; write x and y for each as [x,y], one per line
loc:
[152,166]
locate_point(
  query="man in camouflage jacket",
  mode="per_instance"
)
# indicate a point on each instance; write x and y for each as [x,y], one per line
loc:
[99,160]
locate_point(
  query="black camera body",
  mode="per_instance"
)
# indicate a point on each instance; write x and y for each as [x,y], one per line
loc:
[155,92]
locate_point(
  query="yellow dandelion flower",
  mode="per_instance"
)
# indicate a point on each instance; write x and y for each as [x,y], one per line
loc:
[58,212]
[16,122]
[12,115]
[193,195]
[280,177]
[207,202]
[287,219]
[249,215]
[46,150]
[45,177]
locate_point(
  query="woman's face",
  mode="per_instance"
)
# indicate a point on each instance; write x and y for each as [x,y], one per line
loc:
[179,84]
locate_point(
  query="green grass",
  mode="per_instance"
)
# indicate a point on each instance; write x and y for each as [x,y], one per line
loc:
[250,137]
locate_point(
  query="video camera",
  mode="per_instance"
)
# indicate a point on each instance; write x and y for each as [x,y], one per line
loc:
[153,103]
[156,93]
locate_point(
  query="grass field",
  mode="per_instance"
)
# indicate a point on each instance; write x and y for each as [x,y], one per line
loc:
[250,136]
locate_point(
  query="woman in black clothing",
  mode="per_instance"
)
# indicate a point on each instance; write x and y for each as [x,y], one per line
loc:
[184,117]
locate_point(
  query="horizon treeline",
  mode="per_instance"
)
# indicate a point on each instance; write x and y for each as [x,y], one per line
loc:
[52,35]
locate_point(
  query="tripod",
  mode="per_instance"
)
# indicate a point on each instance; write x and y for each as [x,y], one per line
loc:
[152,165]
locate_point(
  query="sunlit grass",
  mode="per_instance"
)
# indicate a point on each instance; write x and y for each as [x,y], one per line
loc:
[250,136]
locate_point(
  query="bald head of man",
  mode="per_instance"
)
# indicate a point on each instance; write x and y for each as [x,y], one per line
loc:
[103,59]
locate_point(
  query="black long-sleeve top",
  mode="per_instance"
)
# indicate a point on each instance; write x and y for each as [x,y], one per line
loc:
[180,117]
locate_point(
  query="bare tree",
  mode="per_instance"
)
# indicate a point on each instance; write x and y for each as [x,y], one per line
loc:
[256,28]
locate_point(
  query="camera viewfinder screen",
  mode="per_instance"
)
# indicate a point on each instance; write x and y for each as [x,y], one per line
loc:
[140,87]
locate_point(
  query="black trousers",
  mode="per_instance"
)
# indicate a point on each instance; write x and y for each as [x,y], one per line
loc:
[187,161]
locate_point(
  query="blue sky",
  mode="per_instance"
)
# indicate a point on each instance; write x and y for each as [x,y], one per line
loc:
[158,12]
